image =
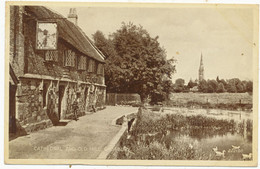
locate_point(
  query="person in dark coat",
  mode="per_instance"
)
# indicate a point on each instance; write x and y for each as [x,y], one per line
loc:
[75,106]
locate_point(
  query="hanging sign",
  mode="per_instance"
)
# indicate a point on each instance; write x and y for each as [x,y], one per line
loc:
[46,36]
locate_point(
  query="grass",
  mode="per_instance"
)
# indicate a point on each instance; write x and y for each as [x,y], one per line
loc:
[213,98]
[227,101]
[150,137]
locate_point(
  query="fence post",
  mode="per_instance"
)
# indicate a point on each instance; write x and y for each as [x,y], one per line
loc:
[115,99]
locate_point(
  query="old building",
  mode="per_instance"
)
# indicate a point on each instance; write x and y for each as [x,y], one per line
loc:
[51,62]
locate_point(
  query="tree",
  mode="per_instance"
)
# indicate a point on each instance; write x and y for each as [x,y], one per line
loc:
[140,64]
[167,89]
[240,88]
[179,85]
[224,83]
[221,88]
[191,84]
[249,87]
[112,71]
[203,86]
[232,85]
[212,86]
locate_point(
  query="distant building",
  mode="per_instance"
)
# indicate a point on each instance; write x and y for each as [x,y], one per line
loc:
[194,89]
[51,62]
[201,70]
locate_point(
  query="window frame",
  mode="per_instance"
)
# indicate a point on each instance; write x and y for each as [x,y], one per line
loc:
[55,57]
[91,66]
[66,55]
[82,62]
[100,69]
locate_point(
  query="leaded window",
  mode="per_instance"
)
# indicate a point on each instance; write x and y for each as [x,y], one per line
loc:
[51,55]
[82,62]
[100,69]
[69,58]
[91,66]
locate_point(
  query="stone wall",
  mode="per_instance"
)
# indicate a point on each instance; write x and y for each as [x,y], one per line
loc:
[36,111]
[30,113]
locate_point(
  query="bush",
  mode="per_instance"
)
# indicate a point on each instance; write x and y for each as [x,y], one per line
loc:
[150,138]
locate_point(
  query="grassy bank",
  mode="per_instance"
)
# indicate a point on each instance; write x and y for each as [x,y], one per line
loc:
[152,137]
[226,101]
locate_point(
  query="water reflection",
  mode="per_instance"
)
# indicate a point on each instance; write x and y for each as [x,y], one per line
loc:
[224,139]
[215,113]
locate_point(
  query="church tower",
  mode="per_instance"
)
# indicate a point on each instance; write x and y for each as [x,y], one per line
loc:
[72,16]
[201,70]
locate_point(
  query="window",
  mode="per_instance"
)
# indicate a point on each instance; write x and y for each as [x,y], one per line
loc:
[51,55]
[82,63]
[91,66]
[69,58]
[100,69]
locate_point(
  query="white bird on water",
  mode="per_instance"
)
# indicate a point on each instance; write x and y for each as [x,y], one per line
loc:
[220,154]
[235,147]
[215,148]
[247,156]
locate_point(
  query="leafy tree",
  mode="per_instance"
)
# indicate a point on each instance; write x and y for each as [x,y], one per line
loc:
[244,84]
[167,88]
[191,84]
[240,88]
[224,83]
[249,86]
[179,85]
[212,86]
[231,88]
[112,71]
[139,63]
[220,88]
[232,85]
[203,86]
[104,45]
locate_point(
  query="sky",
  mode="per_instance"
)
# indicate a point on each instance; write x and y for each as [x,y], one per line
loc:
[224,36]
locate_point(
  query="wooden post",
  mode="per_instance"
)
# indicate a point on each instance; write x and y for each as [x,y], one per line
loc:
[115,99]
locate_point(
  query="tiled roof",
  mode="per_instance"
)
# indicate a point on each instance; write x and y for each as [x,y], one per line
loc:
[67,31]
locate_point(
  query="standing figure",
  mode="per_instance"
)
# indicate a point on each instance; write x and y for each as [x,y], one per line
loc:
[75,106]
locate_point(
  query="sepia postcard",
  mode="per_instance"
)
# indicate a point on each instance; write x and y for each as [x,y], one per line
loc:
[131,83]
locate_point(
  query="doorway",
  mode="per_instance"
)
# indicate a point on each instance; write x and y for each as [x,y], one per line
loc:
[85,98]
[12,118]
[61,95]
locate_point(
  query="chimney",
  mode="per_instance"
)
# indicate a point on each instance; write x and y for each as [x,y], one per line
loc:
[72,16]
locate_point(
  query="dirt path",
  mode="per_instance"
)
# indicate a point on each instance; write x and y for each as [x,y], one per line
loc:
[82,139]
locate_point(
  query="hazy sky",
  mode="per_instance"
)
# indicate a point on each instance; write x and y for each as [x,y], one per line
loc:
[224,36]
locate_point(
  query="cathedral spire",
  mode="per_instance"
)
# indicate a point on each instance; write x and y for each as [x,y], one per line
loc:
[201,60]
[201,69]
